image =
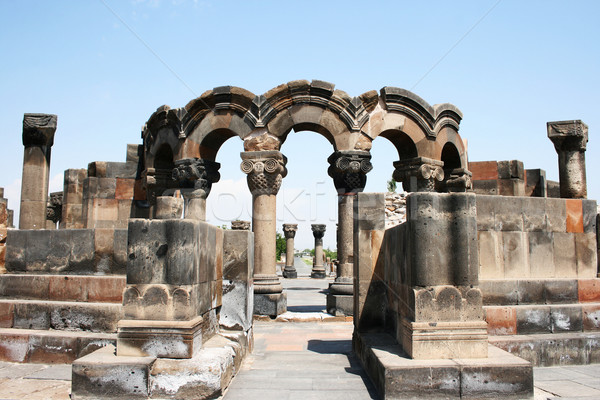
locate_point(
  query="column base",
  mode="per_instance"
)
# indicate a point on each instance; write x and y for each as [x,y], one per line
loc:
[340,305]
[290,273]
[167,339]
[444,340]
[270,304]
[318,272]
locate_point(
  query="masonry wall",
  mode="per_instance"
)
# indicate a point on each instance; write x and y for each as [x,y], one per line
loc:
[528,237]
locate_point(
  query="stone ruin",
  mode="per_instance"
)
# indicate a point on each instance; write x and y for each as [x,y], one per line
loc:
[482,270]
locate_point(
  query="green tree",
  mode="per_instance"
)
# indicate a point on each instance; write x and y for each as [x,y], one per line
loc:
[391,185]
[280,246]
[331,254]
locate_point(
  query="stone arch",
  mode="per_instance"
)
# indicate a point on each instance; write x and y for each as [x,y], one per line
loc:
[450,156]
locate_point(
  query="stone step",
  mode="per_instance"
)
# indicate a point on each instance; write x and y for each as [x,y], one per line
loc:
[100,289]
[502,292]
[60,315]
[546,350]
[542,318]
[49,347]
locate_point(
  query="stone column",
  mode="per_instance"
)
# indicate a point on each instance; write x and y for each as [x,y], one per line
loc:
[348,170]
[289,230]
[266,170]
[318,270]
[38,138]
[195,177]
[570,139]
[419,174]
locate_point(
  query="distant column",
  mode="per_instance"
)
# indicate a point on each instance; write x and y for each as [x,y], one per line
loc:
[38,138]
[570,140]
[265,170]
[318,270]
[195,177]
[289,230]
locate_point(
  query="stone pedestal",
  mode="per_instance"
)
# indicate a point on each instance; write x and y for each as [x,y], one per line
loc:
[419,174]
[348,170]
[38,138]
[266,170]
[195,177]
[570,140]
[318,270]
[289,271]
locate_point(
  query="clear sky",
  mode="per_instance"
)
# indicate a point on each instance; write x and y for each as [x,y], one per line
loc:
[103,66]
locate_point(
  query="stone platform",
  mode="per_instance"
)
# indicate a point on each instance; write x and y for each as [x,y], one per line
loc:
[396,376]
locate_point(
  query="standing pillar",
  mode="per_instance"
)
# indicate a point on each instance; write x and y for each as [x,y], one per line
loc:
[266,170]
[289,230]
[38,138]
[195,177]
[318,270]
[570,139]
[349,172]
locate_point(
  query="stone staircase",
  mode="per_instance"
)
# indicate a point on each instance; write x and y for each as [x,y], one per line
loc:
[50,318]
[545,321]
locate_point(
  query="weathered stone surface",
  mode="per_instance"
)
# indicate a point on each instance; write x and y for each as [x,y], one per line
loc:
[270,304]
[238,269]
[570,141]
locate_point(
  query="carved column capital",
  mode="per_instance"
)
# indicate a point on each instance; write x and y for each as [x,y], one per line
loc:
[459,180]
[265,170]
[289,230]
[568,135]
[196,174]
[419,174]
[318,230]
[54,207]
[349,170]
[38,129]
[238,225]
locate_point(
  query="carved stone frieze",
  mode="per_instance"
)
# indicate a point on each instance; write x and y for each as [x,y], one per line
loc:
[349,170]
[419,174]
[196,174]
[265,170]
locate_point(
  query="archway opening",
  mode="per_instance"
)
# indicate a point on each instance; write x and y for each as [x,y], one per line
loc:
[450,157]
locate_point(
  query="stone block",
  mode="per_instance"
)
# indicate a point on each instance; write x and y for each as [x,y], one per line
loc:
[238,269]
[67,288]
[14,346]
[181,247]
[50,349]
[486,187]
[18,286]
[541,254]
[499,292]
[560,291]
[536,183]
[531,292]
[105,289]
[511,187]
[574,220]
[484,170]
[591,317]
[497,381]
[590,212]
[588,290]
[565,256]
[561,349]
[587,255]
[508,214]
[6,314]
[31,316]
[16,243]
[340,305]
[84,316]
[147,251]
[101,372]
[566,318]
[371,216]
[533,319]
[501,320]
[60,244]
[270,304]
[516,255]
[511,169]
[82,252]
[124,189]
[556,215]
[486,212]
[491,255]
[38,249]
[534,214]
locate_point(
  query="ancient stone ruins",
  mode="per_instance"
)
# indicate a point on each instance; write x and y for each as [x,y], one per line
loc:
[456,289]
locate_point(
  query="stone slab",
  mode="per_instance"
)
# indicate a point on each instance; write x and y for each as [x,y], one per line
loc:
[270,304]
[340,305]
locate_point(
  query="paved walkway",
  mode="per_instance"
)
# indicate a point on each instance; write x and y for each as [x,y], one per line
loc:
[304,360]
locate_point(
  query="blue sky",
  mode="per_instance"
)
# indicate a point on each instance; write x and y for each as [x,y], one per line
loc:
[104,66]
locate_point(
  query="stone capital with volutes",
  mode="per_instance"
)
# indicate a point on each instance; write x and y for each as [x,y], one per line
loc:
[459,180]
[419,174]
[289,230]
[196,175]
[349,170]
[318,230]
[39,129]
[239,225]
[265,170]
[568,135]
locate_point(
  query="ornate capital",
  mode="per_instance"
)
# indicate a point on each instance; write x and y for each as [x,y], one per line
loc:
[318,230]
[265,169]
[459,180]
[38,129]
[196,174]
[349,170]
[568,135]
[240,225]
[419,174]
[54,207]
[289,230]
